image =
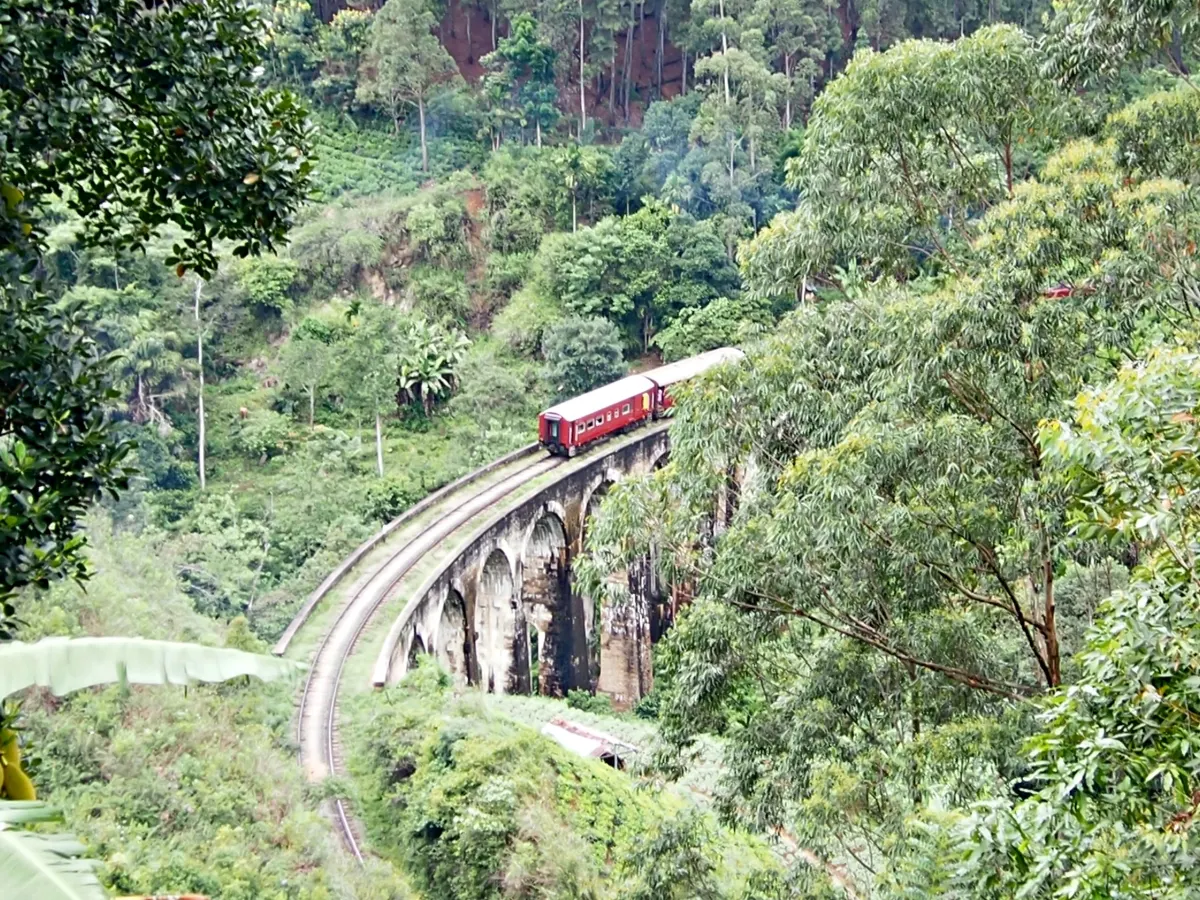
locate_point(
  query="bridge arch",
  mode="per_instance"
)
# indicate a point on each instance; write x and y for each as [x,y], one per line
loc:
[416,649]
[557,624]
[502,647]
[455,641]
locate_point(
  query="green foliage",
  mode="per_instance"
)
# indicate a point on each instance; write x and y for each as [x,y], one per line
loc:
[589,702]
[522,324]
[722,323]
[900,152]
[65,665]
[58,453]
[167,786]
[388,497]
[480,807]
[404,64]
[43,865]
[267,282]
[262,434]
[1113,763]
[637,271]
[1092,38]
[520,80]
[91,108]
[1159,135]
[581,354]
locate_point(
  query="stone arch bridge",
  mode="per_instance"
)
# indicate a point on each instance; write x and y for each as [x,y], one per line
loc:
[502,612]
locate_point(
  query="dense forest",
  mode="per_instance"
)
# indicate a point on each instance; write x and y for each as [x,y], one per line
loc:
[274,272]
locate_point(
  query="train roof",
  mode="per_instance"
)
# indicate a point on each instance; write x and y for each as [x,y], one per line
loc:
[601,398]
[693,365]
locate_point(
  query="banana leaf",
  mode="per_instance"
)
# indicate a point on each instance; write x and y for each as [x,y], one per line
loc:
[69,664]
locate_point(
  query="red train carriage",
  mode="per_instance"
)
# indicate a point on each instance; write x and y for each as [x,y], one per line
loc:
[567,426]
[574,423]
[684,369]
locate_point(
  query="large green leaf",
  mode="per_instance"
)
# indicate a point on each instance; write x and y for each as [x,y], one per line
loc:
[68,664]
[42,866]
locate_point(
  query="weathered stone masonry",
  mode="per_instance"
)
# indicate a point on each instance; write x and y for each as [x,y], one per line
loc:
[506,603]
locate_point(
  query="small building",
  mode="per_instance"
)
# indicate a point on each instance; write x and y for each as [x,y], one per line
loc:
[589,742]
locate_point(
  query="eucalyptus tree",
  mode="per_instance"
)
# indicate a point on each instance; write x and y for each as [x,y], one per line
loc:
[150,117]
[405,65]
[901,153]
[520,80]
[888,573]
[307,363]
[1113,770]
[1089,39]
[368,365]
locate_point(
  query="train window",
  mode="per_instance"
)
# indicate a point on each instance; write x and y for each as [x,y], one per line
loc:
[608,416]
[625,410]
[553,431]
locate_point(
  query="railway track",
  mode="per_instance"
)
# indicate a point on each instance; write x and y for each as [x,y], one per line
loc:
[414,534]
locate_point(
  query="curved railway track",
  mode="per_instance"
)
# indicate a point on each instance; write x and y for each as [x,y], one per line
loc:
[448,510]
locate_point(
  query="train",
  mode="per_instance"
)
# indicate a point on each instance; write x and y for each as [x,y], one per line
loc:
[572,425]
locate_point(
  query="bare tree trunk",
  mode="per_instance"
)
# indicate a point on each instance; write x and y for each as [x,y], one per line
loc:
[582,95]
[627,69]
[494,17]
[378,445]
[200,369]
[787,104]
[612,82]
[724,49]
[660,49]
[574,213]
[683,75]
[424,147]
[538,132]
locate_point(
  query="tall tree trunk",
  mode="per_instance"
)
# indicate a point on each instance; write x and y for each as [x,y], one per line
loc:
[200,369]
[1052,651]
[787,103]
[582,66]
[612,82]
[574,214]
[683,75]
[378,445]
[659,49]
[538,131]
[494,17]
[627,69]
[424,146]
[724,49]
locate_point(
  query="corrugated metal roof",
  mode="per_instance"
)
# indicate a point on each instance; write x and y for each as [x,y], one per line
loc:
[586,741]
[693,365]
[601,398]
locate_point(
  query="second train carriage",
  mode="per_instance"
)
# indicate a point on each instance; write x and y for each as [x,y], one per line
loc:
[568,426]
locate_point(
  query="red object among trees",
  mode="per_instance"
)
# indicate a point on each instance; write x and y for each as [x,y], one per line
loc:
[568,426]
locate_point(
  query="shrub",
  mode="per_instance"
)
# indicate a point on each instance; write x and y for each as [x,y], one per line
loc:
[388,497]
[522,323]
[581,354]
[262,434]
[586,701]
